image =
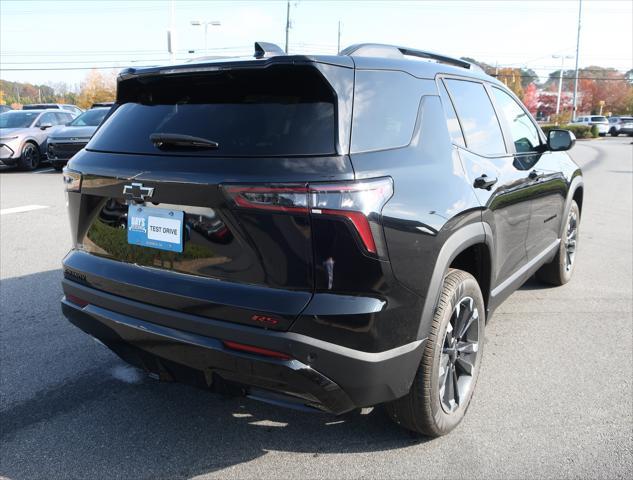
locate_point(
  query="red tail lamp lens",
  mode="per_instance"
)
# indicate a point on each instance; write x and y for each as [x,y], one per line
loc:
[256,350]
[360,202]
[273,198]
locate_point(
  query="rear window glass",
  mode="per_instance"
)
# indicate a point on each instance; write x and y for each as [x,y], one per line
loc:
[598,119]
[277,111]
[477,117]
[386,105]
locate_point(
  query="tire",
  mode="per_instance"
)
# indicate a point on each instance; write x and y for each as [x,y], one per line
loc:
[30,158]
[58,167]
[427,409]
[559,271]
[614,132]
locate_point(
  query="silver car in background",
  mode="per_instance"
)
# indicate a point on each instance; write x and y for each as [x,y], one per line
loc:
[24,135]
[67,141]
[599,121]
[620,125]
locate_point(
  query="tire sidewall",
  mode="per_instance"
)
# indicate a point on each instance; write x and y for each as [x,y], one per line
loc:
[443,421]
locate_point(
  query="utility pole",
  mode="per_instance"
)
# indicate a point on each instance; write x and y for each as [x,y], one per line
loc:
[287,24]
[338,43]
[560,78]
[573,112]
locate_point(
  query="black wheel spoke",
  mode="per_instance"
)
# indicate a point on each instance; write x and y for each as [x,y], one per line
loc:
[459,354]
[465,364]
[456,396]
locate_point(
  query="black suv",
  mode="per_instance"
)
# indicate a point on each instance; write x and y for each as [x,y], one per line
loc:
[321,232]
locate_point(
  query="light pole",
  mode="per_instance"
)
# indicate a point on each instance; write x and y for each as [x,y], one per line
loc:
[560,79]
[206,23]
[573,112]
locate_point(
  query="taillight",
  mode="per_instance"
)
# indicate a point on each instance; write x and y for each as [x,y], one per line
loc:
[359,203]
[281,198]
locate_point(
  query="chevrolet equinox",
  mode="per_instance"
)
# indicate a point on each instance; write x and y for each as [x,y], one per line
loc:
[321,232]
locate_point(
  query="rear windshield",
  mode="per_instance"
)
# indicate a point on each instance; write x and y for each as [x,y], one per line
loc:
[599,119]
[277,111]
[38,106]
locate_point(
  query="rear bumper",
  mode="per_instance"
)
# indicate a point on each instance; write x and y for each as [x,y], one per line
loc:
[319,374]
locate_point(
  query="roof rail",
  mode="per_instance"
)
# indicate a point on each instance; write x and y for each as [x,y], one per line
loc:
[393,51]
[265,49]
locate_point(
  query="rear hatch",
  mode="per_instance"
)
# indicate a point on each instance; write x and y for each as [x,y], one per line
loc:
[186,149]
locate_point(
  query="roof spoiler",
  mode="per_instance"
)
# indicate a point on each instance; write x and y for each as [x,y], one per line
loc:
[393,51]
[265,50]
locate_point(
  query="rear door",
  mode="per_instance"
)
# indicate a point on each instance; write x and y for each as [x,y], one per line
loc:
[242,250]
[486,159]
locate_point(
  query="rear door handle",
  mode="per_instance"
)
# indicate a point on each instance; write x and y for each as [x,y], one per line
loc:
[484,182]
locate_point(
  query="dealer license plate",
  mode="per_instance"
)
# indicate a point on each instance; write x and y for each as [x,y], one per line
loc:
[155,227]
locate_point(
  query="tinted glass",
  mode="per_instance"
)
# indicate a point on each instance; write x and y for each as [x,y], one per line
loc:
[477,117]
[48,117]
[17,119]
[452,123]
[386,107]
[63,118]
[599,119]
[276,111]
[91,118]
[524,133]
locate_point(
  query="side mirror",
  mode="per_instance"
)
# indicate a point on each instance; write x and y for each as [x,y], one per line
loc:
[44,126]
[559,140]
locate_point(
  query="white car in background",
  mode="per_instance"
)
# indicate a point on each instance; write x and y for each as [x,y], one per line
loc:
[24,135]
[599,120]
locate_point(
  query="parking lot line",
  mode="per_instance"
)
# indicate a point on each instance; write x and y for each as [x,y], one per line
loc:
[25,208]
[45,171]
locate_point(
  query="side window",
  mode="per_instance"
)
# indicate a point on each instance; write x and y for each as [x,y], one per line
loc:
[477,117]
[524,133]
[63,118]
[452,123]
[48,117]
[386,105]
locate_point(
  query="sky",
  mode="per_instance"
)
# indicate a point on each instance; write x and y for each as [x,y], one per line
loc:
[60,41]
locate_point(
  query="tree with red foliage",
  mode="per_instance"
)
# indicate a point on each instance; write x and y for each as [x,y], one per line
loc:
[530,98]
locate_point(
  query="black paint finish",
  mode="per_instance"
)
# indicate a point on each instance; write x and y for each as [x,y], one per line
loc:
[302,283]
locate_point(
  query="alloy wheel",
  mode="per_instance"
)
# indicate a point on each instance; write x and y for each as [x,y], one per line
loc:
[30,154]
[571,240]
[458,359]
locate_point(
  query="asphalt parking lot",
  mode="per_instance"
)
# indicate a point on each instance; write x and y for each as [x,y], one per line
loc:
[554,399]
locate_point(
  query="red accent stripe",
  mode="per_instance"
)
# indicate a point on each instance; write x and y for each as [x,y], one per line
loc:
[361,224]
[256,350]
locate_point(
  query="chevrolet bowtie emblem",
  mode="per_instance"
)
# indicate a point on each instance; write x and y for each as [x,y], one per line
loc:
[137,192]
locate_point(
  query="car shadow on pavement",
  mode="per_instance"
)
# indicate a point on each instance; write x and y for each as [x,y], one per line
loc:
[108,420]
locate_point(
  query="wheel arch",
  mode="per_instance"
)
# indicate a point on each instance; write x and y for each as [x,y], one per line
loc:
[30,140]
[469,238]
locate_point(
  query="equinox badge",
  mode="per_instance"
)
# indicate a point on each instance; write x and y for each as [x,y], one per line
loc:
[137,192]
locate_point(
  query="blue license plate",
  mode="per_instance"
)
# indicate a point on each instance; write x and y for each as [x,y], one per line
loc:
[155,227]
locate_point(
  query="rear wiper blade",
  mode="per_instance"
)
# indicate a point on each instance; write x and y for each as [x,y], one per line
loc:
[166,140]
